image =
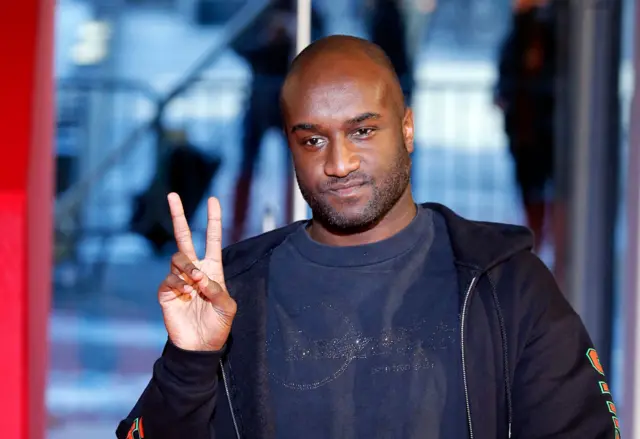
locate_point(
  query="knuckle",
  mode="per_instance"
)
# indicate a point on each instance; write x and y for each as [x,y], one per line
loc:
[167,284]
[181,260]
[183,234]
[172,279]
[189,267]
[214,233]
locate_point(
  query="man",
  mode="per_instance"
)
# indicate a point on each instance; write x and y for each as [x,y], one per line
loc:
[525,92]
[378,318]
[388,30]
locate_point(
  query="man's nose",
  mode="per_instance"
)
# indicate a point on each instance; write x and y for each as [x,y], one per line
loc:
[342,158]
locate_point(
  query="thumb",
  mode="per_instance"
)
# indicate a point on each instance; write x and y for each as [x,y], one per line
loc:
[209,288]
[217,296]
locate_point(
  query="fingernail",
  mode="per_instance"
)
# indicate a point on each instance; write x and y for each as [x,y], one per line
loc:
[194,272]
[188,288]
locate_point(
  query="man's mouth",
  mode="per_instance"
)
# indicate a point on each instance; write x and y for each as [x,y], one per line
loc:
[347,189]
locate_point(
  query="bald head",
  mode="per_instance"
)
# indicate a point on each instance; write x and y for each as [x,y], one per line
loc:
[343,44]
[338,57]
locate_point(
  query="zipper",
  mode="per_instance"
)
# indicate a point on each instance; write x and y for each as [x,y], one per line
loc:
[226,390]
[465,307]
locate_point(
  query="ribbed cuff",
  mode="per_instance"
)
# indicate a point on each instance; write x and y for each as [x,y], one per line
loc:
[191,366]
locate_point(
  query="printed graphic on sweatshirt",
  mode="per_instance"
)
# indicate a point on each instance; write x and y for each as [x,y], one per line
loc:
[136,431]
[604,388]
[592,355]
[595,361]
[328,352]
[616,423]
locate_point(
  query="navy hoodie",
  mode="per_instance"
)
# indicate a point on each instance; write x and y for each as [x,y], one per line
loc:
[529,367]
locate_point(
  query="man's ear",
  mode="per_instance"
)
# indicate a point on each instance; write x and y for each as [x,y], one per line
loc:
[407,129]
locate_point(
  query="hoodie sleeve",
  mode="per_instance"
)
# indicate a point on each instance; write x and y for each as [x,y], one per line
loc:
[559,387]
[180,399]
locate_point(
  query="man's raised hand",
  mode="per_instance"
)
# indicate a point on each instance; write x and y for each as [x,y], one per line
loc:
[196,306]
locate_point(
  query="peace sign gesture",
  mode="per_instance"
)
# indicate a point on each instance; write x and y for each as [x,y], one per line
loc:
[196,306]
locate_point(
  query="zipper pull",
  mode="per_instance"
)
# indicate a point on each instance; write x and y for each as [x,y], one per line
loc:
[509,430]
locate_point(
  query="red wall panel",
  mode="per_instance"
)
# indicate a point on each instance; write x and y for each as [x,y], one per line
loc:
[13,379]
[26,195]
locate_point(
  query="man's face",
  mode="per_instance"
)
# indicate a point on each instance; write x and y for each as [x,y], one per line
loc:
[350,143]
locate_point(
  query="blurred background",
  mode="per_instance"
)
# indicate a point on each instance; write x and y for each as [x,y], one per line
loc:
[522,116]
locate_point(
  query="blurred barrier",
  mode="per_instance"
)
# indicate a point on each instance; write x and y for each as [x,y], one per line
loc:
[92,116]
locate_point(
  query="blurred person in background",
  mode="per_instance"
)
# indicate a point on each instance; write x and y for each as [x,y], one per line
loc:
[418,15]
[388,29]
[268,48]
[526,93]
[377,318]
[399,27]
[182,167]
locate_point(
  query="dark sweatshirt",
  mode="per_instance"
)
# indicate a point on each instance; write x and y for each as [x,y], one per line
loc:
[528,366]
[363,340]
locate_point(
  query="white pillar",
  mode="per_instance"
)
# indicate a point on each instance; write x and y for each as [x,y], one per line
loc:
[303,39]
[631,305]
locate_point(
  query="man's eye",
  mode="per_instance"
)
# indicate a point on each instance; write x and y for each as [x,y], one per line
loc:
[314,142]
[363,132]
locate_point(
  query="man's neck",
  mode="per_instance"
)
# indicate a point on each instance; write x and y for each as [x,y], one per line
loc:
[393,222]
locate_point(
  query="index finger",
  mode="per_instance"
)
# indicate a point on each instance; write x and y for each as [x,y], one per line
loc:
[213,251]
[181,229]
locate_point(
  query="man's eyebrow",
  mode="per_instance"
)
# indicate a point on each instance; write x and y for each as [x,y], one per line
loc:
[362,117]
[304,127]
[353,121]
